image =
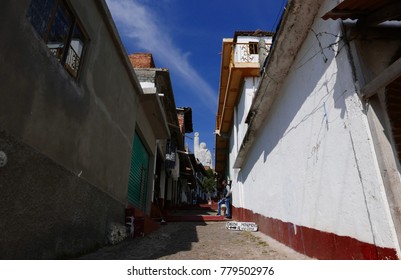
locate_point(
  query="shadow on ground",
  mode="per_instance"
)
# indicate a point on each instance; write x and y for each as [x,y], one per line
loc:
[207,239]
[166,241]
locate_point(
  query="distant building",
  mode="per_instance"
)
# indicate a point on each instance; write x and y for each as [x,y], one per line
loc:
[156,81]
[178,175]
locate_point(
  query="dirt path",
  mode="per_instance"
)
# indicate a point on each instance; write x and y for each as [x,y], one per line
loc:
[198,241]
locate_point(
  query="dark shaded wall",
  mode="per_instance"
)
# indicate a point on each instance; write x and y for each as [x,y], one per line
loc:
[68,142]
[47,211]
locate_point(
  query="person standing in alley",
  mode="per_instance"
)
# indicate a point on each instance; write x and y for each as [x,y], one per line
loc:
[226,199]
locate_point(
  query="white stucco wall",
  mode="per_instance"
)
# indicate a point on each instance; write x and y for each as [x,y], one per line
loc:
[242,109]
[147,85]
[241,50]
[313,163]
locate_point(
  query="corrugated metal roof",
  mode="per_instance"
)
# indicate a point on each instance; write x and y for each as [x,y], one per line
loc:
[358,9]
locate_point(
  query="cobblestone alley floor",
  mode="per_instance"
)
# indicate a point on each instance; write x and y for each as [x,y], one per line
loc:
[197,241]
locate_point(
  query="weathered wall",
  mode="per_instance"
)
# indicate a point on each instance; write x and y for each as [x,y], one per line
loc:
[47,211]
[312,168]
[372,52]
[76,136]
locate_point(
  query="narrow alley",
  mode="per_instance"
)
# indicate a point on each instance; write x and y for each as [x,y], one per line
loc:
[125,124]
[205,239]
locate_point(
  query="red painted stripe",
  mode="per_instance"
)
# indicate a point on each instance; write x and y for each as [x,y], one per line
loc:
[195,218]
[315,243]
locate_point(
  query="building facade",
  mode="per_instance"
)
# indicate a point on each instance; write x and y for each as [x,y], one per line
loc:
[73,117]
[240,72]
[315,162]
[156,81]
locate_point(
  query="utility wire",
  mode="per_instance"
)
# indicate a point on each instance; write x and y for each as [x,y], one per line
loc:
[279,14]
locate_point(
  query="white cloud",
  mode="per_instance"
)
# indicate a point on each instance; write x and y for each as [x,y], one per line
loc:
[140,23]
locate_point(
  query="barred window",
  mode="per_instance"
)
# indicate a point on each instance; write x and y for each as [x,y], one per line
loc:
[253,48]
[61,30]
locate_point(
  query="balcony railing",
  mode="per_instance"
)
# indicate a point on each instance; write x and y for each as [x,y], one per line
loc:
[72,60]
[246,52]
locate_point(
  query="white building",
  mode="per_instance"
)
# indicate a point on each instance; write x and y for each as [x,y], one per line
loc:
[240,71]
[313,155]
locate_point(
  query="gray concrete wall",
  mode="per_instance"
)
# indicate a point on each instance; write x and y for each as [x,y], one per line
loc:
[68,142]
[46,211]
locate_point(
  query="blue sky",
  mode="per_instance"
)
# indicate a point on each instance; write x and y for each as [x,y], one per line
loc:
[186,36]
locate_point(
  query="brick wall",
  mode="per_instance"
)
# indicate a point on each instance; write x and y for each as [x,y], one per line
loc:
[142,60]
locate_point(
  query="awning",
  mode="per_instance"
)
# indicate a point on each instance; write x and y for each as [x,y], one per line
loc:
[186,170]
[367,12]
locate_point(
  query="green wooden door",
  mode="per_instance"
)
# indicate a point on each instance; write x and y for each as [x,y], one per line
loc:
[138,178]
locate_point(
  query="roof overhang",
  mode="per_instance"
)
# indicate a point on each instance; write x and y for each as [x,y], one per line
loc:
[156,116]
[371,14]
[366,12]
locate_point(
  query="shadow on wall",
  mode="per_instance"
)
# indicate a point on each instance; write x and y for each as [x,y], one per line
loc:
[306,75]
[46,211]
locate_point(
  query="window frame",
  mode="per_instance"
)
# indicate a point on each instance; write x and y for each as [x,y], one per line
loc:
[253,48]
[67,48]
